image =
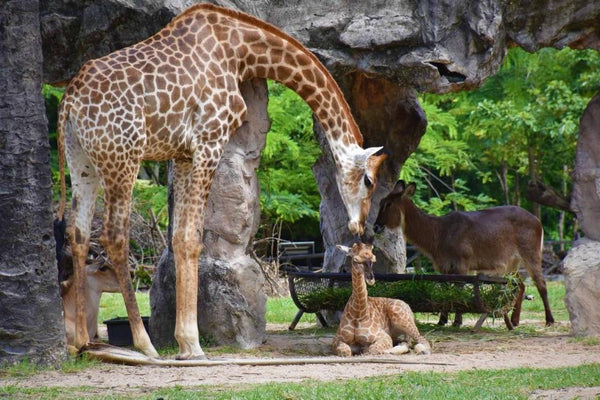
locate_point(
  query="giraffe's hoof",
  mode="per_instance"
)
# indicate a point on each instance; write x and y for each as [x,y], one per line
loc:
[402,348]
[422,349]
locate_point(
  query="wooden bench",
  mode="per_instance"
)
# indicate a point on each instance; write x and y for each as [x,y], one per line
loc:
[300,254]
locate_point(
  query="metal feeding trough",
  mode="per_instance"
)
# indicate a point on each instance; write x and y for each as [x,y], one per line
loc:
[313,292]
[119,331]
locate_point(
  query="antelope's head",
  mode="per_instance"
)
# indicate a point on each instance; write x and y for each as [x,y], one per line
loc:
[391,207]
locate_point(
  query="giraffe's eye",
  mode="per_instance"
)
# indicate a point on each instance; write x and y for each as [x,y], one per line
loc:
[368,182]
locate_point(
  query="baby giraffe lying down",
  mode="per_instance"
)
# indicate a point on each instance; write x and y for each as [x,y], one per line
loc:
[370,325]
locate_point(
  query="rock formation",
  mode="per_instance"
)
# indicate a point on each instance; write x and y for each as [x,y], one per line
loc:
[582,283]
[585,199]
[582,264]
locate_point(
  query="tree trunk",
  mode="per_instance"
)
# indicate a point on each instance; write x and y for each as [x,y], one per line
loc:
[516,191]
[504,182]
[561,220]
[535,207]
[31,324]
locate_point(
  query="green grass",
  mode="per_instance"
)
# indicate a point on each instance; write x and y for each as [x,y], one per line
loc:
[484,384]
[282,310]
[556,296]
[113,306]
[477,384]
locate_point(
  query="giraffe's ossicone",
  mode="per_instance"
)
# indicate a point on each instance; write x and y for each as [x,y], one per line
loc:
[176,96]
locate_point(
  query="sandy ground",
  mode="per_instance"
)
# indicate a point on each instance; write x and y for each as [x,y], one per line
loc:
[460,351]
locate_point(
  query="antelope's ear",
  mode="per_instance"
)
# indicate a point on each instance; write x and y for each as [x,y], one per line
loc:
[343,248]
[410,189]
[399,187]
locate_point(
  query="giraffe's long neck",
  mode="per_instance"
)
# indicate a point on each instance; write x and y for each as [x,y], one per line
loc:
[294,67]
[360,295]
[264,51]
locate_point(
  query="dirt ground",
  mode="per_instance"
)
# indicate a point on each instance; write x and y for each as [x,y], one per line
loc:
[453,352]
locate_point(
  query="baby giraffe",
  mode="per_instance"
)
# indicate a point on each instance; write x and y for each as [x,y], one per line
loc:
[369,325]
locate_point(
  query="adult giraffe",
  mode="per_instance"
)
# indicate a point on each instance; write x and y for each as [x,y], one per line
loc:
[176,96]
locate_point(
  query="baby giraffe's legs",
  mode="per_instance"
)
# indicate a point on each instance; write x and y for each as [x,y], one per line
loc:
[382,344]
[402,320]
[340,348]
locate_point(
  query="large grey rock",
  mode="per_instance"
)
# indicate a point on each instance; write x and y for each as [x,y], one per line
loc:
[582,283]
[231,300]
[585,199]
[582,264]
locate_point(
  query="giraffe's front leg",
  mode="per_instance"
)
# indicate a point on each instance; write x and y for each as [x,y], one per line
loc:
[186,287]
[340,348]
[383,342]
[191,187]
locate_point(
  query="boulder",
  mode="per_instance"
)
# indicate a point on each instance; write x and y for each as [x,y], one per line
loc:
[582,264]
[430,45]
[585,199]
[582,283]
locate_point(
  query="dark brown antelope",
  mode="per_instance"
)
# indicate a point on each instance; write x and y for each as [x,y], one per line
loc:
[495,241]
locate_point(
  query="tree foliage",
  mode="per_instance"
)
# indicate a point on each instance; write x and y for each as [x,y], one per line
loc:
[289,191]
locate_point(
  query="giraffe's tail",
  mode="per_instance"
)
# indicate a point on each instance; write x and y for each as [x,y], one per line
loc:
[60,133]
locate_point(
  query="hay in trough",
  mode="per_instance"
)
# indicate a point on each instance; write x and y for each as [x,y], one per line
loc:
[422,295]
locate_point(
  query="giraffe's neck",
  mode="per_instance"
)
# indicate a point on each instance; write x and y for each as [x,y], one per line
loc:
[359,292]
[263,51]
[317,88]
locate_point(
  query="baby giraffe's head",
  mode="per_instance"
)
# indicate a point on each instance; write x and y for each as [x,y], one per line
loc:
[362,259]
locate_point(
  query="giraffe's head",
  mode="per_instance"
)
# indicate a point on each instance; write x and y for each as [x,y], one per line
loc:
[362,259]
[356,180]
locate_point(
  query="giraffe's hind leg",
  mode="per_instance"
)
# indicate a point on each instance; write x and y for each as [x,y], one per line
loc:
[84,183]
[118,186]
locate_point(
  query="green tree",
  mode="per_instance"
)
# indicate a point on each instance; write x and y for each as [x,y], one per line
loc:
[435,166]
[289,192]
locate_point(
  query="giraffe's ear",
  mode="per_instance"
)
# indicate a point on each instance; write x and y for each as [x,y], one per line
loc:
[375,156]
[343,248]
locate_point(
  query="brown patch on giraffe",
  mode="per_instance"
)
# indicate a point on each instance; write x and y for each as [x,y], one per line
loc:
[79,237]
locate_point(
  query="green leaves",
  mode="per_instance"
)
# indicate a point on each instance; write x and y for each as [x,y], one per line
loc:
[288,188]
